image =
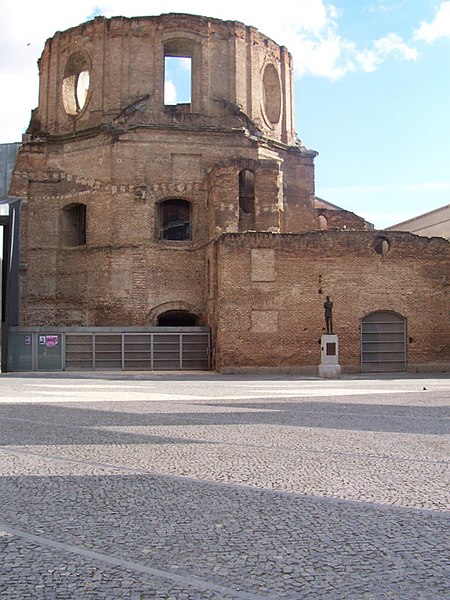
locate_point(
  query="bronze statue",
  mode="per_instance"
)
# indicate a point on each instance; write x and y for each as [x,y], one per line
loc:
[328,306]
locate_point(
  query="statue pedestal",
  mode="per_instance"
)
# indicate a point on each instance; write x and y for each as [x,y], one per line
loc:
[329,356]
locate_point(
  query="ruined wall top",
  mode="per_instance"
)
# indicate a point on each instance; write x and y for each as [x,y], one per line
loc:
[111,71]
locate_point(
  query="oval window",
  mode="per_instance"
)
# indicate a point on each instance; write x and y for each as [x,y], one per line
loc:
[76,83]
[272,94]
[381,246]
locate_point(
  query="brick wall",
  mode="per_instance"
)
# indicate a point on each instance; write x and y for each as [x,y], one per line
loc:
[272,287]
[342,219]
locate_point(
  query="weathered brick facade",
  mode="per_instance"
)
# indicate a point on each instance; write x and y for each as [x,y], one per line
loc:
[273,287]
[108,164]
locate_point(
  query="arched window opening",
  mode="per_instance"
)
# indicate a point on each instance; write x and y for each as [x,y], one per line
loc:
[76,82]
[178,318]
[246,200]
[74,225]
[381,245]
[175,220]
[323,223]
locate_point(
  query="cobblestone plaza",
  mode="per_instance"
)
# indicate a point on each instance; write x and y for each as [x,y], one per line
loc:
[204,486]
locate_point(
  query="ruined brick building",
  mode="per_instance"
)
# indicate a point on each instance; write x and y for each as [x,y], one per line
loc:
[142,222]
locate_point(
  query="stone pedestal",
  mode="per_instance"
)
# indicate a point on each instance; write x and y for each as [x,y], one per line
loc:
[329,356]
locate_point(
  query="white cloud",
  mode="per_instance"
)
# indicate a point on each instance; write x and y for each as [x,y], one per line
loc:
[310,30]
[322,51]
[21,97]
[389,45]
[332,56]
[170,92]
[438,28]
[185,64]
[383,6]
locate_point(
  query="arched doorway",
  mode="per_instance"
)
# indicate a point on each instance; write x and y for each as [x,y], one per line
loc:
[178,318]
[383,342]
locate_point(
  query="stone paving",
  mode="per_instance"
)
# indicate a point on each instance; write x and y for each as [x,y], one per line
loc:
[202,486]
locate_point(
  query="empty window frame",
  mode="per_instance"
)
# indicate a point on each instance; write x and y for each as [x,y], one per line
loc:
[177,81]
[175,220]
[76,83]
[74,225]
[182,79]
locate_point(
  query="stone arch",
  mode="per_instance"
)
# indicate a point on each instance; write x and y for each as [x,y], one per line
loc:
[323,222]
[178,318]
[174,307]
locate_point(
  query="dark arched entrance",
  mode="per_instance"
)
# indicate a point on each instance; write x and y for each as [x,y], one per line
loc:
[179,342]
[178,318]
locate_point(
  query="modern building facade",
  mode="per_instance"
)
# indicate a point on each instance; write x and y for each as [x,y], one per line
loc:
[433,223]
[9,256]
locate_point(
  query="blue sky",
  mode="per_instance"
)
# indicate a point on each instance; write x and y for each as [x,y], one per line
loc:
[372,87]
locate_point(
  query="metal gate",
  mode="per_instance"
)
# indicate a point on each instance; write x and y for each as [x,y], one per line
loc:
[383,342]
[83,349]
[138,351]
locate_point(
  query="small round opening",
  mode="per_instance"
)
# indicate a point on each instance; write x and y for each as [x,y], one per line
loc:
[381,245]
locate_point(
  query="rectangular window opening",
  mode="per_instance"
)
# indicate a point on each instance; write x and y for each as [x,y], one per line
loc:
[81,225]
[177,81]
[175,220]
[74,225]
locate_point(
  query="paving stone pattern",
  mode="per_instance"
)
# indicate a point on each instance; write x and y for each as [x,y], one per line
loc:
[223,488]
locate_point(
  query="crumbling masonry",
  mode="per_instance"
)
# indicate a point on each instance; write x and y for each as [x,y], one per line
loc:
[140,213]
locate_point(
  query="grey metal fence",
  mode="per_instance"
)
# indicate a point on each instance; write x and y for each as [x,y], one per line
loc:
[39,349]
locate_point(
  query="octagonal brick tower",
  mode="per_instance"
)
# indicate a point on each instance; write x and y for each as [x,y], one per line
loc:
[123,192]
[238,75]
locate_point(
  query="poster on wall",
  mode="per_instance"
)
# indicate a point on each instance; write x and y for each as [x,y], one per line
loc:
[51,341]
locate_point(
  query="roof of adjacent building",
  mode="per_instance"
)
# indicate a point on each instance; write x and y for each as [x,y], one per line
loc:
[433,223]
